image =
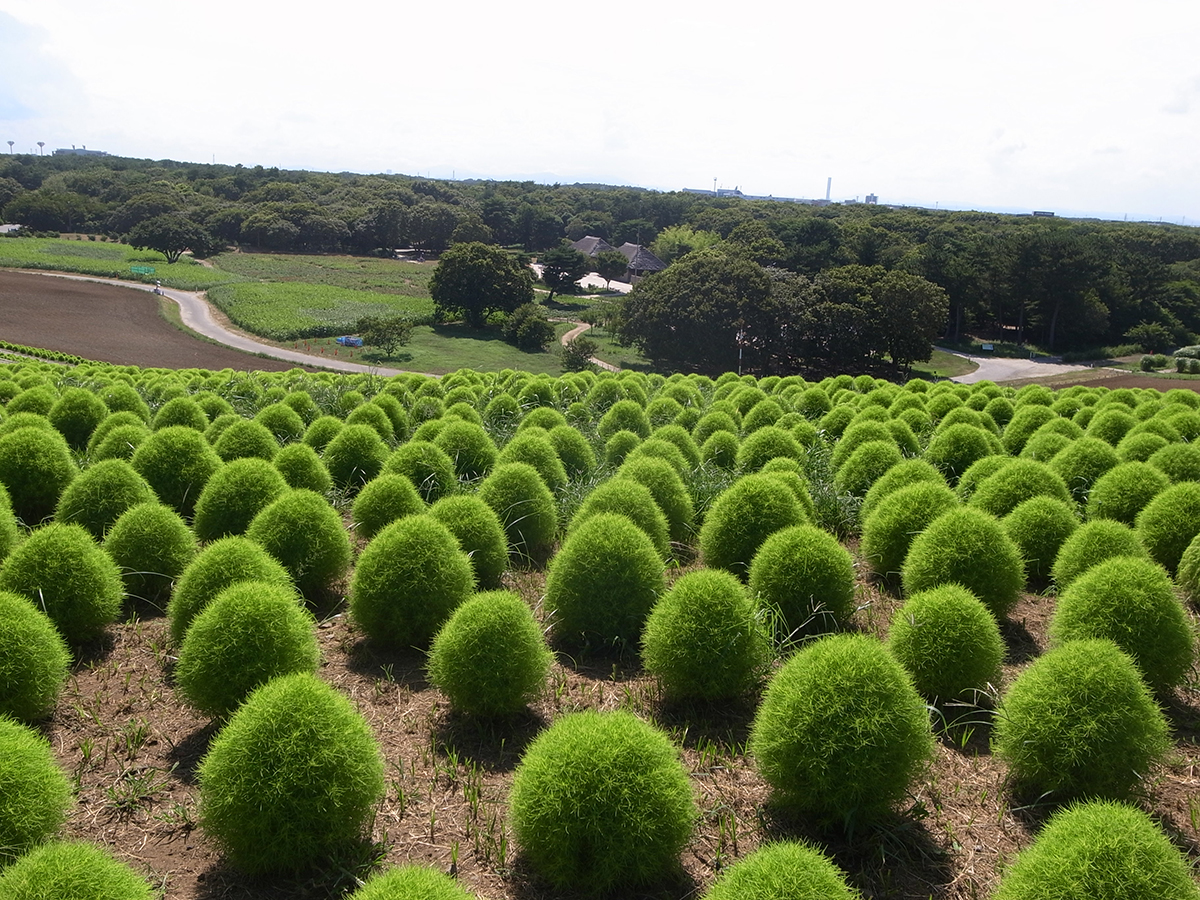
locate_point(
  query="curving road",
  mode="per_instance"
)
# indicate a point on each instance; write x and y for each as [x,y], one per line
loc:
[992,368]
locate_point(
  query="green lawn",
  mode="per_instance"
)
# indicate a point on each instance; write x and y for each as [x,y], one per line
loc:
[387,276]
[108,260]
[943,365]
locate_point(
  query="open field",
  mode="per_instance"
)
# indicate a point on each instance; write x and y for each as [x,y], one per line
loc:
[385,276]
[108,260]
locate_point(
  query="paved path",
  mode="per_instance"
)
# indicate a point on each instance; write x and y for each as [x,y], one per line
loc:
[580,328]
[993,368]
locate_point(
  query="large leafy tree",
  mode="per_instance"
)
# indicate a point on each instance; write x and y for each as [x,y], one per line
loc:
[170,234]
[473,280]
[908,313]
[562,267]
[699,311]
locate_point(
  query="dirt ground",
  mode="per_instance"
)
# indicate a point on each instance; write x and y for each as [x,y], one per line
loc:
[107,323]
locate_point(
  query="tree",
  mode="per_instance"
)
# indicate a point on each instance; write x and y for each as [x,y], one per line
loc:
[679,240]
[170,234]
[562,267]
[527,328]
[700,310]
[611,264]
[473,280]
[577,354]
[387,334]
[908,313]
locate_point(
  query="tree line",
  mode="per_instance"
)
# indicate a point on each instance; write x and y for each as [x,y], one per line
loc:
[1062,284]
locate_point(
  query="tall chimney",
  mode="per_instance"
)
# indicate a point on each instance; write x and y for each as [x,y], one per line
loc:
[828,188]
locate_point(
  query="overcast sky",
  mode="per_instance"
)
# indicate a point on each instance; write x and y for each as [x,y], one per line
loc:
[1076,106]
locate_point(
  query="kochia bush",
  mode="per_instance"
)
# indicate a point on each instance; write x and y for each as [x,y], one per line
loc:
[600,801]
[804,579]
[234,495]
[177,462]
[98,496]
[479,533]
[70,870]
[742,517]
[889,530]
[784,870]
[1039,526]
[151,546]
[34,792]
[305,533]
[383,500]
[411,882]
[1092,543]
[33,659]
[35,467]
[1167,524]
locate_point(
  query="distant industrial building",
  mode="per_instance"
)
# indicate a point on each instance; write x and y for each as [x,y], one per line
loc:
[80,151]
[734,192]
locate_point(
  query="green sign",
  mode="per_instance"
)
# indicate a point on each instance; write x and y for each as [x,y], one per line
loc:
[142,270]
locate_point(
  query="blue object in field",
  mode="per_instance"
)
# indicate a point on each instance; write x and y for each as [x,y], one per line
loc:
[349,341]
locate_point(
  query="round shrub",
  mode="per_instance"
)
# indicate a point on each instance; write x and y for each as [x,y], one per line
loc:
[855,435]
[1099,848]
[36,467]
[408,581]
[968,547]
[305,533]
[101,492]
[250,633]
[659,448]
[246,438]
[216,567]
[110,422]
[121,397]
[72,871]
[1045,445]
[889,530]
[1140,446]
[1188,576]
[479,533]
[9,533]
[712,422]
[841,732]
[624,415]
[301,467]
[234,495]
[783,870]
[321,431]
[34,792]
[867,463]
[469,447]
[383,500]
[120,442]
[743,516]
[628,498]
[573,450]
[76,414]
[702,639]
[601,801]
[681,438]
[1080,722]
[282,421]
[901,475]
[669,492]
[954,448]
[411,882]
[533,446]
[33,660]
[764,444]
[151,546]
[1092,543]
[1111,423]
[490,657]
[177,462]
[1122,491]
[1018,480]
[804,580]
[1131,603]
[1167,524]
[292,779]
[619,446]
[1081,463]
[374,416]
[354,456]
[949,643]
[1039,526]
[603,583]
[525,506]
[180,412]
[1025,421]
[721,449]
[979,471]
[69,576]
[1179,462]
[427,466]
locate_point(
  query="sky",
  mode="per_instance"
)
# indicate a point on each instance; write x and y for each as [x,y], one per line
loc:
[1081,107]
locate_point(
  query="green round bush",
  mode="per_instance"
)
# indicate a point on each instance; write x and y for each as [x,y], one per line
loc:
[110,423]
[721,449]
[121,397]
[1018,480]
[954,448]
[305,533]
[1045,445]
[517,494]
[669,492]
[354,456]
[1025,421]
[803,580]
[702,640]
[1080,722]
[37,399]
[67,870]
[246,438]
[712,422]
[321,431]
[903,474]
[216,567]
[177,462]
[1039,526]
[36,467]
[180,412]
[120,443]
[35,794]
[782,870]
[282,421]
[533,446]
[33,660]
[576,454]
[1099,848]
[216,428]
[250,633]
[949,643]
[1140,446]
[682,439]
[1179,462]
[1083,462]
[979,471]
[427,466]
[1092,543]
[301,467]
[764,444]
[490,657]
[628,498]
[383,500]
[1167,524]
[75,414]
[969,547]
[236,493]
[374,416]
[889,530]
[10,534]
[1131,602]
[408,581]
[603,583]
[411,882]
[1122,491]
[469,447]
[865,465]
[62,569]
[841,732]
[1188,576]
[479,533]
[1111,423]
[101,492]
[619,446]
[661,449]
[151,546]
[743,516]
[600,801]
[624,415]
[292,779]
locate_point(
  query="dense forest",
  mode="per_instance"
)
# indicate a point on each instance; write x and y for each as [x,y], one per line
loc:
[1060,284]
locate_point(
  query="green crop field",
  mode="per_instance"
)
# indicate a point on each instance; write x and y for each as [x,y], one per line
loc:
[108,260]
[387,276]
